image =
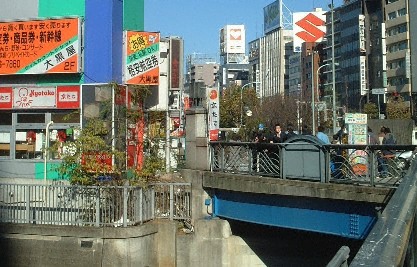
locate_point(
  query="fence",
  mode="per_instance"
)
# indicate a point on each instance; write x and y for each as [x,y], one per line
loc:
[59,204]
[358,164]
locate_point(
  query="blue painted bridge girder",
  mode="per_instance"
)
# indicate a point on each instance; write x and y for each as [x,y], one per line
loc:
[349,219]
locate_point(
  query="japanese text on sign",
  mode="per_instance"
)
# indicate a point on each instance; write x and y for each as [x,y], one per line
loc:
[39,46]
[142,58]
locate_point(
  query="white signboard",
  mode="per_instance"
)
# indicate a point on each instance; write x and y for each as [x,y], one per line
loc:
[308,27]
[214,114]
[34,97]
[362,43]
[362,62]
[234,39]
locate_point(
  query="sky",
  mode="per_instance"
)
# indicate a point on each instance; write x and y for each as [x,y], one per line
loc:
[199,22]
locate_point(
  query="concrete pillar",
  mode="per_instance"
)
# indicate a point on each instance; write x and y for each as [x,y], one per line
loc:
[196,140]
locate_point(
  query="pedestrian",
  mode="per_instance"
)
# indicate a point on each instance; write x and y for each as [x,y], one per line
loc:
[278,136]
[290,132]
[372,138]
[321,135]
[258,138]
[306,130]
[386,155]
[341,133]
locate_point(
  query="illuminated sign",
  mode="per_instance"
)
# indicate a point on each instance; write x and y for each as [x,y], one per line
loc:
[141,58]
[40,46]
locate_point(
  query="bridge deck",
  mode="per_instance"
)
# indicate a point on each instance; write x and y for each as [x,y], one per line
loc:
[265,185]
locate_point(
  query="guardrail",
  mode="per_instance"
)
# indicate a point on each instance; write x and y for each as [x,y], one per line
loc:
[310,160]
[59,204]
[392,241]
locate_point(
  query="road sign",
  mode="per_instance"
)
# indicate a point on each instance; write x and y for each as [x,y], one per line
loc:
[378,91]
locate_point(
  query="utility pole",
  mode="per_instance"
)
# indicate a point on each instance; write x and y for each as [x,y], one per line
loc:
[333,72]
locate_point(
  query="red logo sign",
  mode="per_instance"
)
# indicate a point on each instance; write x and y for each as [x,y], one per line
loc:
[309,24]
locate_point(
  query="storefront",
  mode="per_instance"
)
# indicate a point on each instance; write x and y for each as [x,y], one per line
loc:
[25,112]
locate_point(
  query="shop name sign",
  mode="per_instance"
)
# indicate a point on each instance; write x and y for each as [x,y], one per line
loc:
[50,97]
[26,97]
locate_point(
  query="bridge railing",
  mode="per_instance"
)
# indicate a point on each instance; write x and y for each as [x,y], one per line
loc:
[61,204]
[308,159]
[393,239]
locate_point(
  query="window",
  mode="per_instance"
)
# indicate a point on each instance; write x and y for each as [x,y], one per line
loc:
[4,144]
[392,15]
[402,12]
[5,118]
[30,118]
[30,143]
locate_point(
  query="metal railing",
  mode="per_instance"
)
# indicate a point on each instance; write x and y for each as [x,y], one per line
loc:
[60,204]
[358,164]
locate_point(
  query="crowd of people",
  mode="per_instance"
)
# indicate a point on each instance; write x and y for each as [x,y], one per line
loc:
[279,135]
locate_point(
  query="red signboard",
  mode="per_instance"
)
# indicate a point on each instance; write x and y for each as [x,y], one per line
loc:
[40,97]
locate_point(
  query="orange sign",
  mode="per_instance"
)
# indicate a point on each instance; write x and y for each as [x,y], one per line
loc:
[40,46]
[141,58]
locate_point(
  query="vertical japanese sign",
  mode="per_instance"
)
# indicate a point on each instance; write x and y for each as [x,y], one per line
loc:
[357,135]
[213,116]
[362,41]
[362,66]
[176,66]
[40,46]
[141,58]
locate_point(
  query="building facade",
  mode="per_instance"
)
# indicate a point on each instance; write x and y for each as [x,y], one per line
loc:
[53,92]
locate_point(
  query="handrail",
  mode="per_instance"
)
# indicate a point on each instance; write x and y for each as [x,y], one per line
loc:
[386,244]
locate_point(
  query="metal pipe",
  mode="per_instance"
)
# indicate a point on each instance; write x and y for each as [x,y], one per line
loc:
[313,130]
[45,157]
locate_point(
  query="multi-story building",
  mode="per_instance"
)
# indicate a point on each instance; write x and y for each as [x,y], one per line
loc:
[70,58]
[234,67]
[398,33]
[358,52]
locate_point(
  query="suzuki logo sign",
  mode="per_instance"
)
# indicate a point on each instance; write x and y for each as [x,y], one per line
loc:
[308,27]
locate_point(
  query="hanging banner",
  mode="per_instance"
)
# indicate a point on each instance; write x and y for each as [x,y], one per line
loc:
[141,58]
[362,40]
[40,46]
[214,114]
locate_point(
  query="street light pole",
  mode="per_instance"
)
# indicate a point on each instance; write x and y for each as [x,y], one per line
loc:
[333,71]
[241,100]
[313,130]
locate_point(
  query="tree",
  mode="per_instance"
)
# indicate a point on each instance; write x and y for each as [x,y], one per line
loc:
[234,103]
[397,108]
[371,109]
[101,152]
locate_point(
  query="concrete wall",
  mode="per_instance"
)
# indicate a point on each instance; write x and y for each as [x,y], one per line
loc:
[46,245]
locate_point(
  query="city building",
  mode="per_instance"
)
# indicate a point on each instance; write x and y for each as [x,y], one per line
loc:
[59,61]
[234,66]
[399,32]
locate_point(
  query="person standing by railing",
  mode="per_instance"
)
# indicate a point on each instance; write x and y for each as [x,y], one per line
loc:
[386,155]
[321,135]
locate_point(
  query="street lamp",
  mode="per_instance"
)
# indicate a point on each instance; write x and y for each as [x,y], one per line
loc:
[317,84]
[241,100]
